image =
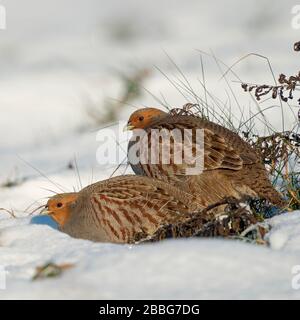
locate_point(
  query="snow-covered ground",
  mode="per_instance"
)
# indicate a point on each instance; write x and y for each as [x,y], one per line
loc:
[175,269]
[56,59]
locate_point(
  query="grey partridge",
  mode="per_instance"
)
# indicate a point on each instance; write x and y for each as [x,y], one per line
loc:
[122,209]
[231,167]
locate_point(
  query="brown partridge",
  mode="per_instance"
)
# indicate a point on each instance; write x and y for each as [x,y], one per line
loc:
[123,209]
[231,167]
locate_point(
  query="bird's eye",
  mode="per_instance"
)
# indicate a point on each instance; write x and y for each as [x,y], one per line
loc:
[59,205]
[141,118]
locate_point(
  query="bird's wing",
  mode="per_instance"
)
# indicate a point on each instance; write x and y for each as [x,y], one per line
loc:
[129,206]
[193,149]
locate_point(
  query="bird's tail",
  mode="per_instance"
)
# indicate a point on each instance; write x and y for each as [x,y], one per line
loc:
[260,183]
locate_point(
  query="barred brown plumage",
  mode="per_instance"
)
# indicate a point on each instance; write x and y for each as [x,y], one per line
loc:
[120,209]
[231,166]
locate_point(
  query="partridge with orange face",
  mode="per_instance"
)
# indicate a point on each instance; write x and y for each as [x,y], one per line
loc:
[231,167]
[123,209]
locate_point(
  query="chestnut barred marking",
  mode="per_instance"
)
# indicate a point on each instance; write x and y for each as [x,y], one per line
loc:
[112,229]
[113,214]
[127,216]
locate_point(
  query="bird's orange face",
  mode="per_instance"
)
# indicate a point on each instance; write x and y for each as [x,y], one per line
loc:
[143,118]
[58,207]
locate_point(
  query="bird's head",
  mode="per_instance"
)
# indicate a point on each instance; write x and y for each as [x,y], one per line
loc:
[59,207]
[143,118]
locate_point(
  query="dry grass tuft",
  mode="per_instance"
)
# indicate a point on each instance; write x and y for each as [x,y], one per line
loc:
[235,219]
[280,150]
[10,212]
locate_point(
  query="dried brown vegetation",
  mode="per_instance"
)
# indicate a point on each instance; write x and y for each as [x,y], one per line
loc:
[280,151]
[235,219]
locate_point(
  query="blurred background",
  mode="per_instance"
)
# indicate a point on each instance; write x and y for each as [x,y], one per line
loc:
[70,67]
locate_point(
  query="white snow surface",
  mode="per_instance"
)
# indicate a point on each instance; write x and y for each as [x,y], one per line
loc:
[56,57]
[173,269]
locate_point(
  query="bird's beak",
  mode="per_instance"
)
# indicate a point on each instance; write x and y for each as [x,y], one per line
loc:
[45,211]
[128,127]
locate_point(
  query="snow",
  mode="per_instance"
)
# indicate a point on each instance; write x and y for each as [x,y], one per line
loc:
[285,232]
[56,58]
[192,268]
